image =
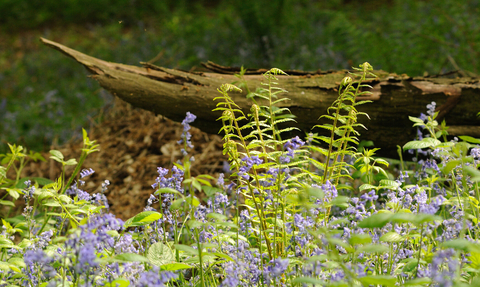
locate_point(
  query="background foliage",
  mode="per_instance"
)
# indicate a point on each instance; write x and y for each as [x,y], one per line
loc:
[45,97]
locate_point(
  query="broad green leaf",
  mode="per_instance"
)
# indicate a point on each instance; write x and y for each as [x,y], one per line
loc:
[17,262]
[356,239]
[14,192]
[416,120]
[143,218]
[410,264]
[391,236]
[167,190]
[315,192]
[424,143]
[194,202]
[130,257]
[210,191]
[160,254]
[421,218]
[71,161]
[194,223]
[340,201]
[223,255]
[470,139]
[373,248]
[7,202]
[463,245]
[389,183]
[119,282]
[474,258]
[418,282]
[367,186]
[217,216]
[186,248]
[377,220]
[382,280]
[4,266]
[175,266]
[56,155]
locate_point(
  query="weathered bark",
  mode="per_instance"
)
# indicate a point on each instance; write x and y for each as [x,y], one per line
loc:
[172,93]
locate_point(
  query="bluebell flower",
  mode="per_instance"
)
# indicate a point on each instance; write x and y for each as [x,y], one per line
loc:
[221,201]
[105,185]
[291,146]
[431,108]
[444,267]
[186,136]
[86,259]
[125,244]
[43,240]
[247,164]
[86,172]
[221,180]
[276,268]
[38,263]
[175,181]
[475,153]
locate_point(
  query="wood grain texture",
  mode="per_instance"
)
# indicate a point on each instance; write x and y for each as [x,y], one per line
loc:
[172,93]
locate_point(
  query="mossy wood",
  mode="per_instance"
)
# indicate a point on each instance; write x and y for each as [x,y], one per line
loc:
[172,93]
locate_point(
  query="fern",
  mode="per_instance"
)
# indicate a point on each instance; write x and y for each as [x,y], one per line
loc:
[268,168]
[343,129]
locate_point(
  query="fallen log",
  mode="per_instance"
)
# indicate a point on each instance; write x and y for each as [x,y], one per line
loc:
[172,93]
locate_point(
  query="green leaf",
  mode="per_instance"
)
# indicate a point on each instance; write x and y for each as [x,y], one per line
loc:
[474,258]
[387,183]
[17,262]
[119,282]
[194,223]
[175,266]
[424,143]
[222,255]
[391,236]
[470,139]
[217,216]
[186,248]
[418,281]
[14,192]
[416,120]
[56,155]
[130,257]
[356,239]
[210,190]
[143,218]
[160,254]
[167,190]
[340,201]
[71,161]
[367,186]
[315,192]
[462,245]
[7,202]
[373,248]
[382,280]
[310,280]
[377,220]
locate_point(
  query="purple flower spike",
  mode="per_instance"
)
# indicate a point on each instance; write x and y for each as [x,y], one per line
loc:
[86,172]
[186,136]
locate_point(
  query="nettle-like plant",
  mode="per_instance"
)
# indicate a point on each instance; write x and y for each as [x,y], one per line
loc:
[280,217]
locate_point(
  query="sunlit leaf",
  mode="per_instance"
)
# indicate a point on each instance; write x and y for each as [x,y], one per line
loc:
[382,280]
[160,254]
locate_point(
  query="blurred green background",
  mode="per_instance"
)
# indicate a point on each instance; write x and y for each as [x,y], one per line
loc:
[45,97]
